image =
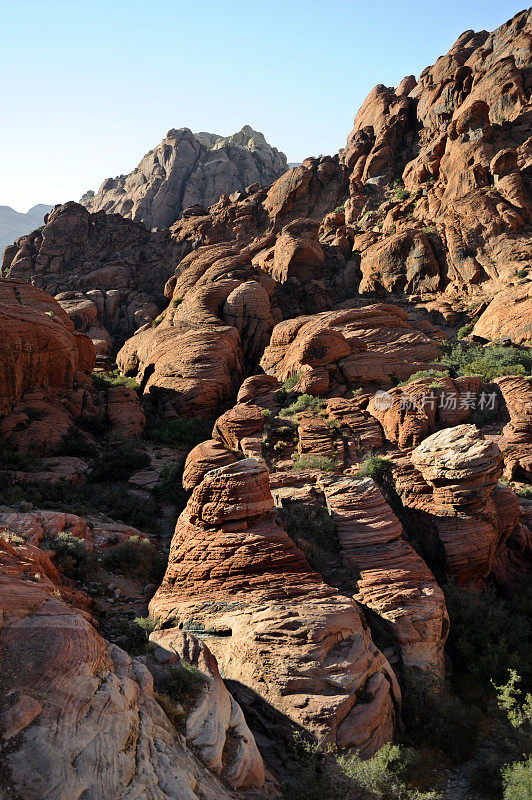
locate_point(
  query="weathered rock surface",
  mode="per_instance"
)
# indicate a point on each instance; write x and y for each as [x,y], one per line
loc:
[462,468]
[508,316]
[394,582]
[349,348]
[78,707]
[38,345]
[271,622]
[215,726]
[188,171]
[108,272]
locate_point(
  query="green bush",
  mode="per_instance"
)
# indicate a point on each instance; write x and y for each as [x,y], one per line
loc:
[305,402]
[103,380]
[508,742]
[486,639]
[76,444]
[525,492]
[308,461]
[137,558]
[134,634]
[114,500]
[380,469]
[488,362]
[72,556]
[517,780]
[182,431]
[434,374]
[434,717]
[291,381]
[323,774]
[170,486]
[15,460]
[119,463]
[311,522]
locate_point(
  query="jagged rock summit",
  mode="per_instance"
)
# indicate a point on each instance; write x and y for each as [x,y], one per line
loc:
[188,169]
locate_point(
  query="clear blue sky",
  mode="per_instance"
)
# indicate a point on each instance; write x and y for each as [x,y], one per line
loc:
[88,87]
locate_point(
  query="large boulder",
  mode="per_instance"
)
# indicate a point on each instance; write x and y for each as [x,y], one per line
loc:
[271,621]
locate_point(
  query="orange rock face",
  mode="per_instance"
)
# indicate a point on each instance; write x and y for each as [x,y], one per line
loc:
[270,620]
[462,468]
[351,347]
[38,346]
[395,582]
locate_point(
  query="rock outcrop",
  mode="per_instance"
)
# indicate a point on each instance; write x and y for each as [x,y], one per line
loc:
[394,581]
[270,620]
[347,349]
[78,707]
[106,271]
[188,171]
[461,467]
[38,346]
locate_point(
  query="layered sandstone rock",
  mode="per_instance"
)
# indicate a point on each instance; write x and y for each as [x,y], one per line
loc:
[349,348]
[78,715]
[215,726]
[410,412]
[271,622]
[188,171]
[395,582]
[508,316]
[461,468]
[39,348]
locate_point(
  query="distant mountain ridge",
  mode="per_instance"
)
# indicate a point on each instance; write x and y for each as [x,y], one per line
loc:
[14,224]
[188,169]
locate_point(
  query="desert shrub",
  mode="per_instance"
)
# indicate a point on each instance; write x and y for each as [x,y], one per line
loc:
[305,402]
[401,194]
[509,741]
[339,209]
[291,381]
[137,558]
[15,460]
[170,486]
[323,774]
[435,717]
[103,380]
[488,362]
[114,500]
[177,302]
[486,639]
[521,273]
[308,461]
[525,492]
[119,463]
[517,780]
[133,635]
[176,432]
[380,469]
[72,556]
[76,444]
[435,375]
[466,329]
[311,522]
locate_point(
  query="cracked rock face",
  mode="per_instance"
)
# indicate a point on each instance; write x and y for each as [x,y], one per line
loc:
[270,620]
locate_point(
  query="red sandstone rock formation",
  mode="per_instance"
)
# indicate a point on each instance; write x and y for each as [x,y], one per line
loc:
[215,726]
[39,349]
[270,620]
[338,350]
[76,706]
[395,582]
[462,468]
